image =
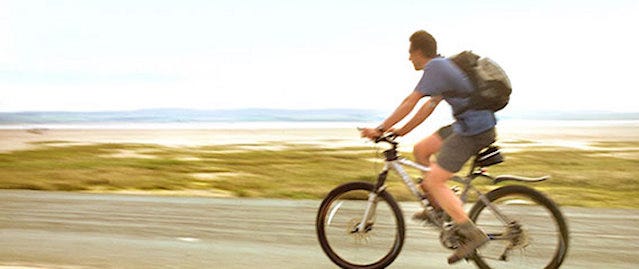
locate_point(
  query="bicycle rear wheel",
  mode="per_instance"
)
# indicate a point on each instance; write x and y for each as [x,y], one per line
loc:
[338,219]
[535,237]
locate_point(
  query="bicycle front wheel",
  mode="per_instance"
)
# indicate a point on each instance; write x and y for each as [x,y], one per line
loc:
[527,230]
[376,243]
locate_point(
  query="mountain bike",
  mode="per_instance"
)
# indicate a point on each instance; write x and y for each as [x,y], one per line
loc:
[360,224]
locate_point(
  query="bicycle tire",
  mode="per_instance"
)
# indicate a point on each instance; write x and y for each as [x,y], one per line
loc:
[541,200]
[321,220]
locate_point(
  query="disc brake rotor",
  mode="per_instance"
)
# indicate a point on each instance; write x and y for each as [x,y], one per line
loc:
[352,229]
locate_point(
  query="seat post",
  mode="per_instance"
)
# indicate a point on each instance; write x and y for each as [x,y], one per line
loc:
[473,165]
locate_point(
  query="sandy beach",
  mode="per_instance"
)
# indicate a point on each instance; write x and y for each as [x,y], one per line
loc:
[11,140]
[513,135]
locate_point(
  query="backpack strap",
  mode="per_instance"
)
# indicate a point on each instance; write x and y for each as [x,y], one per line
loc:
[467,62]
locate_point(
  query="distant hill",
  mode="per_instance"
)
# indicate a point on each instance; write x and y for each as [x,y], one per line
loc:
[264,115]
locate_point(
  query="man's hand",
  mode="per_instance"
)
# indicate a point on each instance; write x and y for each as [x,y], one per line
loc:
[371,133]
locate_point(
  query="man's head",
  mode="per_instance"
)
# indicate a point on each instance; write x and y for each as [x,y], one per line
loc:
[423,47]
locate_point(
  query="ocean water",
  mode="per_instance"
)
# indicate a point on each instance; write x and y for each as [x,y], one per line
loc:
[273,119]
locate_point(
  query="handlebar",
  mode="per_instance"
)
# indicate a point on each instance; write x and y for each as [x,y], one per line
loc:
[390,154]
[388,138]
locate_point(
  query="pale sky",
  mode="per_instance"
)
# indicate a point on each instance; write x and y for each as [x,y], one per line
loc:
[294,54]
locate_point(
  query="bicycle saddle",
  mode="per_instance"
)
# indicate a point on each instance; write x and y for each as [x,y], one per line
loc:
[489,156]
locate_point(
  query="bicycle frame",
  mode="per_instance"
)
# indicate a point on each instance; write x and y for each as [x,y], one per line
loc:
[512,233]
[381,180]
[395,162]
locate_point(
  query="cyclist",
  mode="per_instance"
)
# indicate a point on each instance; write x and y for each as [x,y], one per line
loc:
[472,131]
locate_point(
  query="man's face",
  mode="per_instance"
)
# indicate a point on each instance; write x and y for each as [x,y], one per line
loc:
[417,58]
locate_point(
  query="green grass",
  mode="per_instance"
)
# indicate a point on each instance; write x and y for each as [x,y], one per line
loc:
[601,177]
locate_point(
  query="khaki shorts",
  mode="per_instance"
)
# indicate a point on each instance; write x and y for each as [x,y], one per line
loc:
[457,149]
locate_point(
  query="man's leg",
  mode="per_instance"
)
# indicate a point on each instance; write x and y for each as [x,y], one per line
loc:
[472,237]
[424,149]
[436,185]
[455,151]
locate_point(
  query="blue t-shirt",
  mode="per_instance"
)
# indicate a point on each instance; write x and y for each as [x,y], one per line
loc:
[442,75]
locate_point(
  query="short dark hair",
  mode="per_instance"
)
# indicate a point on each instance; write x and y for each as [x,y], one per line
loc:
[425,42]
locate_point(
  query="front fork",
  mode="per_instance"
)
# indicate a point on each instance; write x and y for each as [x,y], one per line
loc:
[371,204]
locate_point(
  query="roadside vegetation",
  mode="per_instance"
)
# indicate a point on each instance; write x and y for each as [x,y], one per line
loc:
[603,176]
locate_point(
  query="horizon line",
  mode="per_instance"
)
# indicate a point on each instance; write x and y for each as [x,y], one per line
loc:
[505,111]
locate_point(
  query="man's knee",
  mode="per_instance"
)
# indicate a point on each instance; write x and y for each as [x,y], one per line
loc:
[425,148]
[437,176]
[419,151]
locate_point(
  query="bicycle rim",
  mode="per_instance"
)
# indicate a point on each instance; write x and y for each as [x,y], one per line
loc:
[342,240]
[536,238]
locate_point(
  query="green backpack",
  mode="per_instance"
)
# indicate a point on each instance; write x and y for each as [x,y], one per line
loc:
[492,86]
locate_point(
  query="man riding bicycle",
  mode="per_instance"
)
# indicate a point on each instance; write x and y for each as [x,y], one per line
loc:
[472,131]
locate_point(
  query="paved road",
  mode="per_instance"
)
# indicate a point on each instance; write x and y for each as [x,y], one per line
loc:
[73,230]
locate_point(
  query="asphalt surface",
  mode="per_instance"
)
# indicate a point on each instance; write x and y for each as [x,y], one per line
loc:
[75,230]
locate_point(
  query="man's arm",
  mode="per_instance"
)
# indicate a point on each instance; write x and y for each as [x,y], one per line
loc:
[419,117]
[400,112]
